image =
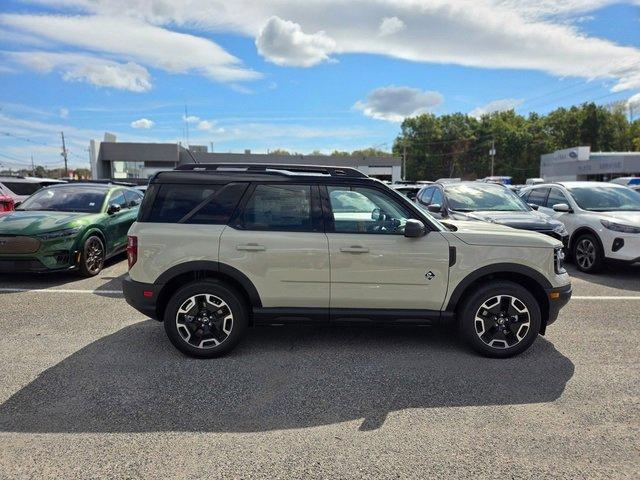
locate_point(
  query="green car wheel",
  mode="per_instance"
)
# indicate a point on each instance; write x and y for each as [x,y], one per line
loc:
[92,257]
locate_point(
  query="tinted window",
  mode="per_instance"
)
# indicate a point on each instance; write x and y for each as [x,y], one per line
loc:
[117,198]
[436,199]
[426,194]
[366,210]
[466,197]
[66,199]
[133,198]
[205,204]
[538,196]
[606,199]
[525,196]
[278,207]
[23,188]
[556,197]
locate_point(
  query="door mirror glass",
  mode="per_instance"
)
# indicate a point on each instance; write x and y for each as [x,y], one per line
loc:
[562,208]
[435,208]
[533,205]
[113,208]
[414,228]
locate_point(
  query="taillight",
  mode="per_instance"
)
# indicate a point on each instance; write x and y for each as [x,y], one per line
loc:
[132,250]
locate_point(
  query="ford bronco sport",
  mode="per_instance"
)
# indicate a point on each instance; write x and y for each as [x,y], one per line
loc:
[218,247]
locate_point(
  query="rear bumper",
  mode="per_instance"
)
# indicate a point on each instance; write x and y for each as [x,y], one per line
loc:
[558,298]
[142,296]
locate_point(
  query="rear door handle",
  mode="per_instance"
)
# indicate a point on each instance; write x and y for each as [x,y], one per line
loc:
[354,249]
[251,247]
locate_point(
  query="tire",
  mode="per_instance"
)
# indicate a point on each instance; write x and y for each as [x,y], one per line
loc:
[196,319]
[587,254]
[92,256]
[482,327]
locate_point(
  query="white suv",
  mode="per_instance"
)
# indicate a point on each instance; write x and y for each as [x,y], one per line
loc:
[603,219]
[219,247]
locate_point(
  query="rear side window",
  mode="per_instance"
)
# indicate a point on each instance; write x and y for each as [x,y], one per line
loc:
[538,196]
[23,188]
[278,207]
[133,198]
[437,197]
[199,204]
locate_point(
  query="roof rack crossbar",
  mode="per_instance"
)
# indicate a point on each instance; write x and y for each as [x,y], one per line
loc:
[276,168]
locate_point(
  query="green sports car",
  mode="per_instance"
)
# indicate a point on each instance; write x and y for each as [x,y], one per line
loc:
[67,227]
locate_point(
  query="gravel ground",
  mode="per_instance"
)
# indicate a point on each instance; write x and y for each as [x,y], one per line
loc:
[89,388]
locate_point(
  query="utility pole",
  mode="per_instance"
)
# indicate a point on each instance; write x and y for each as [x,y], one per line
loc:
[186,123]
[211,143]
[404,159]
[33,167]
[492,152]
[64,155]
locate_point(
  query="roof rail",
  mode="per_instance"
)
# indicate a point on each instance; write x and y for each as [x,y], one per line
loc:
[275,168]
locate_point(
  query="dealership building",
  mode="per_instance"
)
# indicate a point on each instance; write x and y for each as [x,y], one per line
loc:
[136,162]
[580,163]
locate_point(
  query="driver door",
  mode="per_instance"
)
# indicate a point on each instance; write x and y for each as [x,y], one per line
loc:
[118,223]
[373,265]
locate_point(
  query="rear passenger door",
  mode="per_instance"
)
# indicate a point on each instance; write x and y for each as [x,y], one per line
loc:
[276,239]
[118,223]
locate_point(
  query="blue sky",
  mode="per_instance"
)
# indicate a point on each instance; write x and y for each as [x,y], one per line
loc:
[317,75]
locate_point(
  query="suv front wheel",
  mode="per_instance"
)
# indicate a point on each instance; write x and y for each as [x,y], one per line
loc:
[205,319]
[500,320]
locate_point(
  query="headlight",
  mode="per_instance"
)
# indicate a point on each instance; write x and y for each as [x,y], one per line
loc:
[618,227]
[60,233]
[560,229]
[558,260]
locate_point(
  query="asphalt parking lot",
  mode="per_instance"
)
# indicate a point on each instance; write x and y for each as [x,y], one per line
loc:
[92,389]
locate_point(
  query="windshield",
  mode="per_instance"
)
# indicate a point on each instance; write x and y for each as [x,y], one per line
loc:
[470,198]
[66,199]
[606,199]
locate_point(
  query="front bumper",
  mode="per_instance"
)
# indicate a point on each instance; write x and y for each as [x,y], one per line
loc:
[142,296]
[557,298]
[55,262]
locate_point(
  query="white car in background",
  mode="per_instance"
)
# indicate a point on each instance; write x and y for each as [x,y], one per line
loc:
[603,219]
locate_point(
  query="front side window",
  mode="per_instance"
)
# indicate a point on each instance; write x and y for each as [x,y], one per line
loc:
[606,199]
[366,210]
[425,196]
[65,199]
[556,197]
[483,197]
[133,198]
[538,196]
[117,198]
[278,208]
[437,197]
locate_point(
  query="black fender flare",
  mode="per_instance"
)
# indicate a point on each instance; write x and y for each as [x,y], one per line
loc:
[210,265]
[501,268]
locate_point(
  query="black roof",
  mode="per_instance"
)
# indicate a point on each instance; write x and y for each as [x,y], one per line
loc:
[252,172]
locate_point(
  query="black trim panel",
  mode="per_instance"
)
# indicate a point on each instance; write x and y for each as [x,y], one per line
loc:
[290,315]
[207,265]
[349,315]
[133,294]
[557,304]
[495,268]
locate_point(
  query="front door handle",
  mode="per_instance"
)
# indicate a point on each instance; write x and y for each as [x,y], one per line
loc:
[251,247]
[354,249]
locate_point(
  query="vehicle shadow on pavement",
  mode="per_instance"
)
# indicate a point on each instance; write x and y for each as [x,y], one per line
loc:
[614,275]
[278,378]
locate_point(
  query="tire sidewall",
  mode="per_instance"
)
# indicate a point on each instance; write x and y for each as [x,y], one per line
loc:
[476,299]
[83,258]
[230,297]
[598,263]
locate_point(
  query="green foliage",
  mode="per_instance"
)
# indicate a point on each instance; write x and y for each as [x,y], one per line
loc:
[457,145]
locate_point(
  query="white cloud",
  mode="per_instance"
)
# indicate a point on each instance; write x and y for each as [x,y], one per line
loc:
[142,123]
[208,125]
[390,26]
[397,103]
[93,70]
[284,43]
[634,100]
[64,113]
[501,105]
[190,118]
[133,39]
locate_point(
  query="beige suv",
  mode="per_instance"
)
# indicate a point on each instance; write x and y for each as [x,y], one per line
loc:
[217,248]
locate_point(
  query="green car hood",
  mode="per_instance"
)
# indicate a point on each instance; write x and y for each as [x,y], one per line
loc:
[37,222]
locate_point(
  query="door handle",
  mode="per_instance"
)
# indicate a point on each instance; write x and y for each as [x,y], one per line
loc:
[354,249]
[251,247]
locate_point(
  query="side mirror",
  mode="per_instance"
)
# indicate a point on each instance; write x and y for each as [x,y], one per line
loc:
[113,208]
[562,208]
[534,206]
[435,208]
[414,228]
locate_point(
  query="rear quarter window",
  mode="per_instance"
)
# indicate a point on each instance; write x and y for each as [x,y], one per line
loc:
[195,204]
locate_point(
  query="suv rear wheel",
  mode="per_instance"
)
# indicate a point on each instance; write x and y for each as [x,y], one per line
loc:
[500,320]
[205,319]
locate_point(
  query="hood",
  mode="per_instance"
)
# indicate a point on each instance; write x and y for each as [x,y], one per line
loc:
[491,234]
[529,220]
[626,218]
[34,223]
